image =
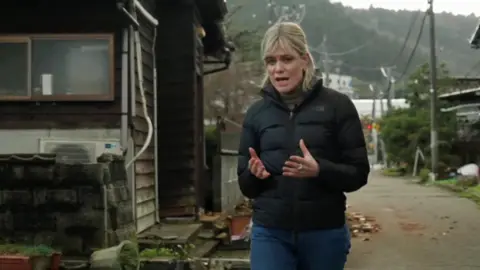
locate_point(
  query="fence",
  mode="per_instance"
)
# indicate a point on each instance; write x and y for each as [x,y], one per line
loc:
[73,207]
[226,192]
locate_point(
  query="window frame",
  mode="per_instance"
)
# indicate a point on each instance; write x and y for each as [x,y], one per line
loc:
[29,39]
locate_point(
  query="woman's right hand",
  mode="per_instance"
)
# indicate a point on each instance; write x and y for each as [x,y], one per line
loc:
[255,165]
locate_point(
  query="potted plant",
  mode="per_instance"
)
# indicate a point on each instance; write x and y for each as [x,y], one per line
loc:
[20,257]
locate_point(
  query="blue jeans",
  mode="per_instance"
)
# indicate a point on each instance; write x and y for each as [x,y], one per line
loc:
[274,249]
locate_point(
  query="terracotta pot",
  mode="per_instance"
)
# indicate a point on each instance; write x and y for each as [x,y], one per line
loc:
[19,262]
[15,262]
[239,224]
[56,261]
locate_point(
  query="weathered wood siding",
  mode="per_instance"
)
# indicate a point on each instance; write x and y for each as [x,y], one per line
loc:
[145,164]
[178,137]
[88,17]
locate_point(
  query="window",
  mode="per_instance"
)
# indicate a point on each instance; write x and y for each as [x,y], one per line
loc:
[57,68]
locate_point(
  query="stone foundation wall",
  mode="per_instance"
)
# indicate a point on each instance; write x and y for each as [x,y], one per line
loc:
[64,205]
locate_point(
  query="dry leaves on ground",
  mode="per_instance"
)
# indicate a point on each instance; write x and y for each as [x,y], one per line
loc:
[361,225]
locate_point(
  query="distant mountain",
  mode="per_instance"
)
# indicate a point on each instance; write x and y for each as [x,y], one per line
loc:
[359,41]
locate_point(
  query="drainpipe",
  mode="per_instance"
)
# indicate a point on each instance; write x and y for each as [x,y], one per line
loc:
[145,13]
[155,123]
[135,6]
[132,97]
[124,123]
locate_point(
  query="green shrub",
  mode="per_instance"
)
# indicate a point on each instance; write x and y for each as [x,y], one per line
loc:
[393,172]
[211,133]
[15,249]
[424,175]
[467,181]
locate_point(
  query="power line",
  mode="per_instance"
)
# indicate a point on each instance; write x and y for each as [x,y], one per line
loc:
[344,52]
[407,37]
[417,42]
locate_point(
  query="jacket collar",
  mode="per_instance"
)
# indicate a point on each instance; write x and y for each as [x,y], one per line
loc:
[269,92]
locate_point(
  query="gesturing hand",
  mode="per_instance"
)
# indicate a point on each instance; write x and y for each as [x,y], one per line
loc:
[301,167]
[256,165]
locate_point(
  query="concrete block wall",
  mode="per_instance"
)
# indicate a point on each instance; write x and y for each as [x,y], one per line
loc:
[64,205]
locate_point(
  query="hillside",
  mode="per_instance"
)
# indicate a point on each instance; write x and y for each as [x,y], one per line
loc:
[375,35]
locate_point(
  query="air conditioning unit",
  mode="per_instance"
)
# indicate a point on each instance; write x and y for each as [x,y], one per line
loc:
[79,151]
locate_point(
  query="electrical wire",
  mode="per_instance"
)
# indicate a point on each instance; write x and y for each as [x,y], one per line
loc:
[407,37]
[412,54]
[399,54]
[345,52]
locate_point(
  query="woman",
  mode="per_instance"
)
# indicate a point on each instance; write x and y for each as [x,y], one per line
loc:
[301,149]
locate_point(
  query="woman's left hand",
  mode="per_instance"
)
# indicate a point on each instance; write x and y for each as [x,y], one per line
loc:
[301,167]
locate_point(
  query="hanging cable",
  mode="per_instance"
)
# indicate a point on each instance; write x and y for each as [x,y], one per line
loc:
[412,54]
[407,37]
[345,52]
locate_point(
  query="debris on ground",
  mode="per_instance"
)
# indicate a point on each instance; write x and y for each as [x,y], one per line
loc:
[244,208]
[361,225]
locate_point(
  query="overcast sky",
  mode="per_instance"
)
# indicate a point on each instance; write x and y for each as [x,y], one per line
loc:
[464,7]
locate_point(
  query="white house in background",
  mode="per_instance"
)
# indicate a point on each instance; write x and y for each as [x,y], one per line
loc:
[364,106]
[339,82]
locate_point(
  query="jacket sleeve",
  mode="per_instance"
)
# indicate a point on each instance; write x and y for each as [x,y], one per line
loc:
[351,172]
[250,185]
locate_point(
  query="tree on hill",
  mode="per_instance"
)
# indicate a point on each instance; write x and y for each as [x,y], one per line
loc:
[359,41]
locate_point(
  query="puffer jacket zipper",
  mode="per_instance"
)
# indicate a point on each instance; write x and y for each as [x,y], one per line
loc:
[293,152]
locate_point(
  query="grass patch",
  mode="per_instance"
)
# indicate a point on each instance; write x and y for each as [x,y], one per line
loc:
[394,172]
[469,192]
[472,193]
[30,251]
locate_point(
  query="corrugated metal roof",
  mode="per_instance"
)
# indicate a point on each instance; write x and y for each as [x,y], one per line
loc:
[460,92]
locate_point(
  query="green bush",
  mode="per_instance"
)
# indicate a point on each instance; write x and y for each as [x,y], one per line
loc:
[424,175]
[16,249]
[394,172]
[211,133]
[467,181]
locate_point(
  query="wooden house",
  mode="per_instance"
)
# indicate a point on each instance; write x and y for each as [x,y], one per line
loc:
[465,103]
[79,79]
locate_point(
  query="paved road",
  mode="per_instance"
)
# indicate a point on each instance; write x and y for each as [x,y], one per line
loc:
[423,228]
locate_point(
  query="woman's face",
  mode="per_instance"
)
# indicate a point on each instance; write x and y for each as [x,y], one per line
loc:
[285,68]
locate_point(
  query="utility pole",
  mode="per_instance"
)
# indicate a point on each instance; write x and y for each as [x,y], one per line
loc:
[374,103]
[382,106]
[392,88]
[433,93]
[387,73]
[389,89]
[271,18]
[374,121]
[326,62]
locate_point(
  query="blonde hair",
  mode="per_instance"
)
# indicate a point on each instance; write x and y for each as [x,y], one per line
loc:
[289,35]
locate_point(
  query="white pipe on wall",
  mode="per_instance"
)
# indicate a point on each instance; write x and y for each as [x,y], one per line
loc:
[145,13]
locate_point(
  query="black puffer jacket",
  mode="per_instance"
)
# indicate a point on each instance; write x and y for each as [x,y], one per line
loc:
[330,126]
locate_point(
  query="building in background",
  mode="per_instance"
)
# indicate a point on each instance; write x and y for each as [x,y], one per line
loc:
[364,106]
[339,82]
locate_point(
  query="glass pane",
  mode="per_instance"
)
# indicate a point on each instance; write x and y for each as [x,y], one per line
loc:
[13,69]
[70,67]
